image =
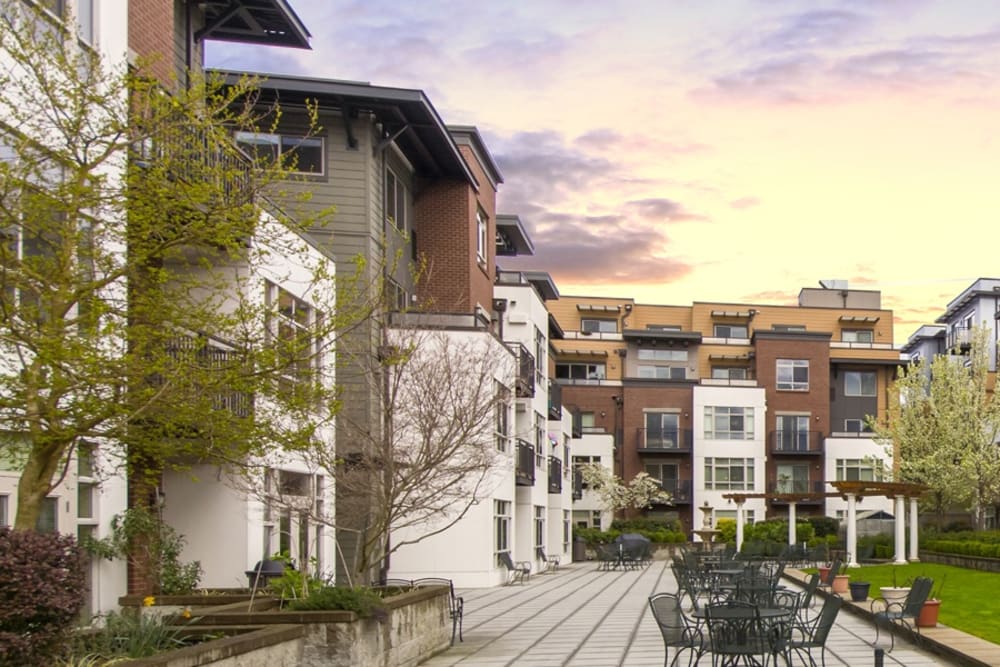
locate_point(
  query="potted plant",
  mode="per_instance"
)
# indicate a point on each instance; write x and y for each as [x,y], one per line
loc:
[894,594]
[859,590]
[928,617]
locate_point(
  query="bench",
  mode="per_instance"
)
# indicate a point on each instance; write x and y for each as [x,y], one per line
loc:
[456,604]
[515,571]
[551,562]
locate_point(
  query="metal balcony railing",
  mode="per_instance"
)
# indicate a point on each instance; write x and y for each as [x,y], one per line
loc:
[525,471]
[796,442]
[555,400]
[959,339]
[210,353]
[680,489]
[796,487]
[555,475]
[524,384]
[577,484]
[663,441]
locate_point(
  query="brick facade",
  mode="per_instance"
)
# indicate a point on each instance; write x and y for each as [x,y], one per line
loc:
[151,37]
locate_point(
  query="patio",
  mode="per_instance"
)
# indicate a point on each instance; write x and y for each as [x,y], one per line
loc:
[581,615]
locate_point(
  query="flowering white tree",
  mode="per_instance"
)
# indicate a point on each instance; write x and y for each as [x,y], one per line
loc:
[640,492]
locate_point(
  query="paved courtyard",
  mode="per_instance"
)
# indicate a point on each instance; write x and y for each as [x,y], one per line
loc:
[583,616]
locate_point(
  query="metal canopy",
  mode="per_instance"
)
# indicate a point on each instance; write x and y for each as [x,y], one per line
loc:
[270,22]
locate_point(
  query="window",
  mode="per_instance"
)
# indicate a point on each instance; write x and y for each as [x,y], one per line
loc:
[792,478]
[502,409]
[662,372]
[857,336]
[587,421]
[793,374]
[728,423]
[666,474]
[748,515]
[298,154]
[397,201]
[4,509]
[587,518]
[567,530]
[580,371]
[857,470]
[539,527]
[591,325]
[663,355]
[667,368]
[395,296]
[481,236]
[729,474]
[292,328]
[541,367]
[85,20]
[856,426]
[48,516]
[860,383]
[788,328]
[729,373]
[662,430]
[580,461]
[792,433]
[730,331]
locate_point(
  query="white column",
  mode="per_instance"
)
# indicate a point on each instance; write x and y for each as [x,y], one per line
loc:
[914,557]
[852,530]
[900,530]
[791,523]
[739,525]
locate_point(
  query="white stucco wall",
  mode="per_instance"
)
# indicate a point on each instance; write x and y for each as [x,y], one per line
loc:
[855,448]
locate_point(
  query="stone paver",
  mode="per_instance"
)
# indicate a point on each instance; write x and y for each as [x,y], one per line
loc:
[582,616]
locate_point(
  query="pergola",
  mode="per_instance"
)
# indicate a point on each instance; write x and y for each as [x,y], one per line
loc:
[851,492]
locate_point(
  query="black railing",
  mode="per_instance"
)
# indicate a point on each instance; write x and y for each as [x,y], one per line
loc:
[796,487]
[577,428]
[555,475]
[524,384]
[525,471]
[577,484]
[555,400]
[209,354]
[796,442]
[680,489]
[663,441]
[959,339]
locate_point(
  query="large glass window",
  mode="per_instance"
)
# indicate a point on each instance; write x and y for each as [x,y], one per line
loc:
[857,336]
[481,236]
[792,433]
[292,328]
[397,201]
[858,470]
[728,423]
[729,474]
[662,364]
[4,509]
[730,331]
[662,430]
[729,373]
[502,416]
[666,473]
[860,383]
[793,374]
[792,478]
[539,527]
[580,371]
[303,155]
[593,325]
[48,516]
[501,526]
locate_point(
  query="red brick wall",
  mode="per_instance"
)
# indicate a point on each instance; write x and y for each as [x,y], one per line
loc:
[481,276]
[151,36]
[442,210]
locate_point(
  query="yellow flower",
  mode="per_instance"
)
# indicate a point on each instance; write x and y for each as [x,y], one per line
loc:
[148,601]
[186,613]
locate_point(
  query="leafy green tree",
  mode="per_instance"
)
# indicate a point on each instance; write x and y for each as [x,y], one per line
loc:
[136,239]
[943,423]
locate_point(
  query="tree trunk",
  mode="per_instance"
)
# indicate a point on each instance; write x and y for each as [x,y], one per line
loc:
[35,484]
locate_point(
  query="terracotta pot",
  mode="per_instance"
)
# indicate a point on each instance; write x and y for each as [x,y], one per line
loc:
[840,582]
[824,572]
[928,617]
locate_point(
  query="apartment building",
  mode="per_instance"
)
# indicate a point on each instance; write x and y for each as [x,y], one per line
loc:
[714,399]
[978,305]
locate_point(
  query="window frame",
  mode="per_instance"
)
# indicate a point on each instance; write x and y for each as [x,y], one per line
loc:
[298,371]
[716,331]
[662,416]
[746,413]
[851,336]
[844,466]
[600,370]
[280,149]
[791,367]
[482,227]
[600,327]
[730,464]
[859,391]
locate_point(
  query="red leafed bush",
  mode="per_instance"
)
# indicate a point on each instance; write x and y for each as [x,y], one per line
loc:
[41,593]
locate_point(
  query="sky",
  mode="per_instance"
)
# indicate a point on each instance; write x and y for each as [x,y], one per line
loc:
[674,151]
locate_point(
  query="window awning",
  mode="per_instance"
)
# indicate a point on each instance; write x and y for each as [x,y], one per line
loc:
[597,308]
[859,319]
[729,357]
[734,314]
[581,353]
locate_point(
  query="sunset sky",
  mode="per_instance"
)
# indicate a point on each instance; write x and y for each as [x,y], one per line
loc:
[680,150]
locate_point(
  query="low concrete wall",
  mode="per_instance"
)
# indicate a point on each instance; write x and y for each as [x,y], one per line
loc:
[969,562]
[276,646]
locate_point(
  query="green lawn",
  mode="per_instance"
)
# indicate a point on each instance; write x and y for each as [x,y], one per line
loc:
[970,598]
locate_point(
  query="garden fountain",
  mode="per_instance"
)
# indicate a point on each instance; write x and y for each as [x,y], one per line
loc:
[706,532]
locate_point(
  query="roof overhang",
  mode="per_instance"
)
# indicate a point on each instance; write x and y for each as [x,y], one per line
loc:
[512,238]
[407,116]
[581,353]
[859,319]
[543,283]
[270,22]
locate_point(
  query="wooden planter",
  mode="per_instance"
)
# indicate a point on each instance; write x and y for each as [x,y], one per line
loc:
[928,617]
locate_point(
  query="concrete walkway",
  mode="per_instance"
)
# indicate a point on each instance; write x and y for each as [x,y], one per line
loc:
[583,616]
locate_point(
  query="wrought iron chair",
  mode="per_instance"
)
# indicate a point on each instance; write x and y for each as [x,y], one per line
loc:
[551,562]
[456,604]
[735,634]
[903,616]
[518,571]
[808,593]
[679,632]
[811,634]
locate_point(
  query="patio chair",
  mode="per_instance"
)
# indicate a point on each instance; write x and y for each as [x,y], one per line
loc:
[811,634]
[551,562]
[518,571]
[827,583]
[456,605]
[679,632]
[893,615]
[805,608]
[608,556]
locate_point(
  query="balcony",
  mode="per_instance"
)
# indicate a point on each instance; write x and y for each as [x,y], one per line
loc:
[663,441]
[577,484]
[210,353]
[524,474]
[577,428]
[680,489]
[524,385]
[959,340]
[796,443]
[796,487]
[555,475]
[555,400]
[442,321]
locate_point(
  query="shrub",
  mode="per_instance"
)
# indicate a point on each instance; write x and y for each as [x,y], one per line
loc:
[824,525]
[364,602]
[130,635]
[41,593]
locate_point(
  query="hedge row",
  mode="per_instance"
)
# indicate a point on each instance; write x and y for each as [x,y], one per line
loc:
[964,548]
